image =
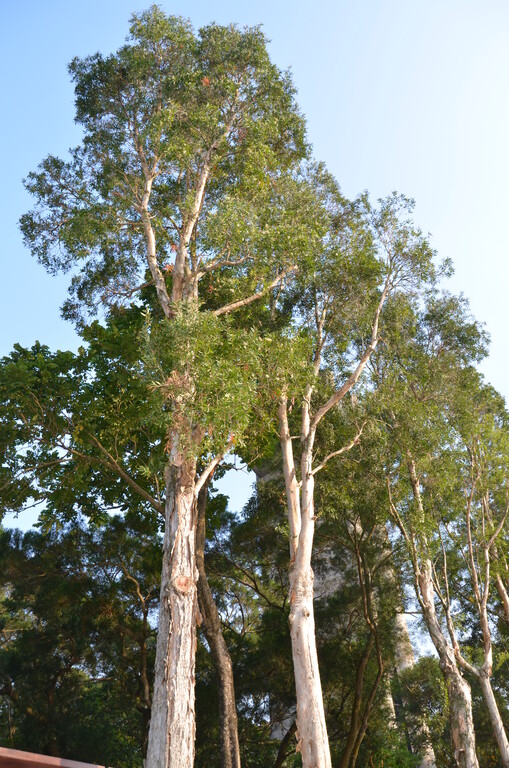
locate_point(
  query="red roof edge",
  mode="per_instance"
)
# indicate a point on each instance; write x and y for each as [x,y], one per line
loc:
[14,758]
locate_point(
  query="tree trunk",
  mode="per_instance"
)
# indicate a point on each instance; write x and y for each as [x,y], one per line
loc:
[502,591]
[312,732]
[355,719]
[230,751]
[172,725]
[460,706]
[313,742]
[496,720]
[460,699]
[284,748]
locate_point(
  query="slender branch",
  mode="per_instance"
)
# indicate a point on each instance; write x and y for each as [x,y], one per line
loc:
[211,266]
[410,541]
[344,449]
[255,296]
[352,380]
[116,467]
[209,469]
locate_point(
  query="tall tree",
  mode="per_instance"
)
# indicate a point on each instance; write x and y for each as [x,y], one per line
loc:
[428,361]
[185,137]
[365,256]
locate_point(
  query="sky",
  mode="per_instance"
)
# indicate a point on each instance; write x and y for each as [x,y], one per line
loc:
[398,95]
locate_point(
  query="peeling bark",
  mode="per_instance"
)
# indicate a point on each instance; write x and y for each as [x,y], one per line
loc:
[312,732]
[172,727]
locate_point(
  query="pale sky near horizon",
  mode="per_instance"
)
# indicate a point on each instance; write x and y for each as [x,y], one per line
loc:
[398,95]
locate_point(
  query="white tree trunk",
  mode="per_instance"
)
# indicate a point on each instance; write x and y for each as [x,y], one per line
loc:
[172,725]
[496,720]
[460,699]
[312,736]
[311,729]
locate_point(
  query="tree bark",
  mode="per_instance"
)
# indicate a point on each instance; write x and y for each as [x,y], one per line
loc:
[458,689]
[211,625]
[313,742]
[496,720]
[172,726]
[312,732]
[504,596]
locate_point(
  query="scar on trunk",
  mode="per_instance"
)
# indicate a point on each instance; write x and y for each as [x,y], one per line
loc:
[183,584]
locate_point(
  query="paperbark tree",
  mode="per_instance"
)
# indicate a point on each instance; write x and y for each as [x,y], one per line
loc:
[366,256]
[429,363]
[184,135]
[482,449]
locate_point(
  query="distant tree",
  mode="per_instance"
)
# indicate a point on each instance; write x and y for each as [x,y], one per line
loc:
[75,661]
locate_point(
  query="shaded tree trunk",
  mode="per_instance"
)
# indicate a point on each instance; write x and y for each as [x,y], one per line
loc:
[355,719]
[211,625]
[172,726]
[284,748]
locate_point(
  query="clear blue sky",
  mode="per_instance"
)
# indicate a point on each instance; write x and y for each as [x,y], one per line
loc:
[408,96]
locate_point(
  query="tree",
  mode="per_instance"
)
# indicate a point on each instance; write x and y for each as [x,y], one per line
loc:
[428,363]
[185,138]
[365,256]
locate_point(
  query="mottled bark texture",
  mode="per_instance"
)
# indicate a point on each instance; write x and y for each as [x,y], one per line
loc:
[172,727]
[311,727]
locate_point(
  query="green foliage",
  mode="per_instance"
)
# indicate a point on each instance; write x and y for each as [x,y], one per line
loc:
[421,694]
[89,433]
[157,107]
[206,372]
[75,641]
[70,421]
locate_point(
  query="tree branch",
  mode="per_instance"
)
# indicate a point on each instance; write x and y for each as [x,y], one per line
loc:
[255,296]
[344,449]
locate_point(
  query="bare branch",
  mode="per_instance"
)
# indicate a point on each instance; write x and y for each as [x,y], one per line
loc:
[211,266]
[209,469]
